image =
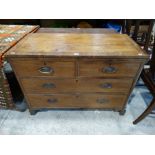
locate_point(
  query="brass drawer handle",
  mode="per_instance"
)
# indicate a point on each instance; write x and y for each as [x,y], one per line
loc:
[102,101]
[48,85]
[109,69]
[54,100]
[46,70]
[106,85]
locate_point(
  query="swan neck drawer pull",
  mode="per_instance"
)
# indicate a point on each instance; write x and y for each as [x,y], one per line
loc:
[46,70]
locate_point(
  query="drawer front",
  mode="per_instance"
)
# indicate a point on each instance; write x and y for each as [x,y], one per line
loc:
[108,69]
[48,85]
[105,85]
[77,101]
[37,67]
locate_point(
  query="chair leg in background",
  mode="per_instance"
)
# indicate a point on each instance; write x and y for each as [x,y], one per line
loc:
[146,112]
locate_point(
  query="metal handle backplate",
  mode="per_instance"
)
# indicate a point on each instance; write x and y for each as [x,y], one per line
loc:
[109,69]
[48,85]
[106,85]
[53,100]
[102,101]
[46,70]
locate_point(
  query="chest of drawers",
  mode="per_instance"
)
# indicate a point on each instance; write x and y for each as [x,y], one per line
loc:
[92,71]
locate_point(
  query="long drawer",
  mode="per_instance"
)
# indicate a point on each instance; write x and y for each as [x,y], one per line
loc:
[49,85]
[107,68]
[76,101]
[44,67]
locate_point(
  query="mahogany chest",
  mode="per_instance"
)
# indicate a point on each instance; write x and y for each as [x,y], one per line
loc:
[69,70]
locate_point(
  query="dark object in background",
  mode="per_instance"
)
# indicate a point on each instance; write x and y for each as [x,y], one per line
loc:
[84,25]
[18,97]
[147,76]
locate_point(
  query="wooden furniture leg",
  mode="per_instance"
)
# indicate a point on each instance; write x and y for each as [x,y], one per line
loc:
[128,26]
[136,30]
[146,112]
[148,35]
[147,75]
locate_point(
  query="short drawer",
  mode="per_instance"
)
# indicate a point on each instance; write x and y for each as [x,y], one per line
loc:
[43,67]
[49,85]
[76,101]
[105,68]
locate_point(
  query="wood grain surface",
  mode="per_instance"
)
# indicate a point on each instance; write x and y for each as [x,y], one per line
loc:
[75,69]
[64,44]
[82,85]
[77,101]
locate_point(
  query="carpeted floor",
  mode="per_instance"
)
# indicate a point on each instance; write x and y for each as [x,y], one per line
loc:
[80,122]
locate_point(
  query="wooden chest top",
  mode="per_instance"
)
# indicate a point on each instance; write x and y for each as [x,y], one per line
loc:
[74,45]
